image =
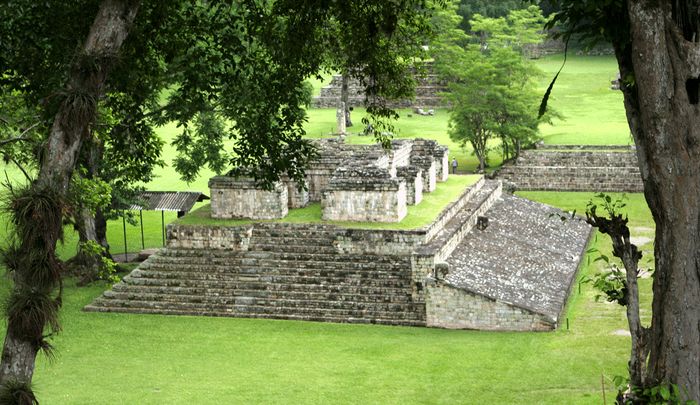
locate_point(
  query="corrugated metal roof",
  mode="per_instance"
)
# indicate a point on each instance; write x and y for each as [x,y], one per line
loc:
[169,200]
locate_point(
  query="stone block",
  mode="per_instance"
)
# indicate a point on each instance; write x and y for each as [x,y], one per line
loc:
[366,193]
[240,197]
[413,176]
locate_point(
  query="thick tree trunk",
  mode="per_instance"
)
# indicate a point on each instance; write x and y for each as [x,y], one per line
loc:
[662,110]
[70,128]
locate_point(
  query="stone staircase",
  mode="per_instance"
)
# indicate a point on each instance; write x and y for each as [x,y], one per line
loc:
[311,272]
[577,169]
[288,273]
[426,94]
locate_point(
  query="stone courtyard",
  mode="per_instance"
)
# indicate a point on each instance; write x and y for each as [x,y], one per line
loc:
[488,261]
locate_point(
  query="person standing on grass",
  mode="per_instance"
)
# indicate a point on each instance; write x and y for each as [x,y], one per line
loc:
[454,165]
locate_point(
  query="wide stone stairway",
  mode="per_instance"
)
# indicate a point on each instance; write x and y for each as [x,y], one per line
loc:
[575,168]
[284,274]
[488,261]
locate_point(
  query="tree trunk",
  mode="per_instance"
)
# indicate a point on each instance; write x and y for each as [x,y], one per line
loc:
[344,97]
[101,231]
[86,265]
[70,128]
[663,114]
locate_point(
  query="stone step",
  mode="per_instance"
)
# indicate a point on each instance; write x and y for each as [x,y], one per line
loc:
[367,312]
[577,158]
[200,257]
[270,298]
[200,253]
[299,240]
[291,317]
[270,246]
[289,291]
[463,222]
[623,179]
[271,268]
[276,265]
[243,282]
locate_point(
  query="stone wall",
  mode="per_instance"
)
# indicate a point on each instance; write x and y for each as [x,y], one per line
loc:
[575,168]
[428,171]
[442,156]
[433,159]
[401,153]
[380,242]
[297,195]
[209,237]
[364,194]
[413,177]
[453,308]
[426,94]
[243,198]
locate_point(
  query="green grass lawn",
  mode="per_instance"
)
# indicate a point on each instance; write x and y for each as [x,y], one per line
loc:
[153,359]
[418,215]
[594,114]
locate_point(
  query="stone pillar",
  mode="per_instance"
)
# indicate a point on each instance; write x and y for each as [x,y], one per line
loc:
[413,176]
[340,119]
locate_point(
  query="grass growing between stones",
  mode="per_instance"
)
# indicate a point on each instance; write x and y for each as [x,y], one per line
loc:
[152,359]
[418,215]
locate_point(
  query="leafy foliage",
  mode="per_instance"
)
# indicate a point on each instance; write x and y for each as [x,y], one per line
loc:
[491,83]
[661,394]
[611,283]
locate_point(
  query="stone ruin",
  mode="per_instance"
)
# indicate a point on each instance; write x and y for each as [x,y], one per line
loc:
[597,168]
[428,88]
[512,271]
[352,183]
[489,260]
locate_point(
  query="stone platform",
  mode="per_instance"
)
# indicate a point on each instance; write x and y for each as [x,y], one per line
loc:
[329,273]
[515,274]
[575,168]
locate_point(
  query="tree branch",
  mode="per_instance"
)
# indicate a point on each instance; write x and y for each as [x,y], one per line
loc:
[21,137]
[26,175]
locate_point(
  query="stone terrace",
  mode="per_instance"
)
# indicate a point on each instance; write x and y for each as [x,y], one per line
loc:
[575,168]
[329,273]
[524,262]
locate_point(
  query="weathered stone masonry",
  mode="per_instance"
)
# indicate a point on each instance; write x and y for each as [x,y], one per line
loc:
[243,198]
[575,168]
[328,273]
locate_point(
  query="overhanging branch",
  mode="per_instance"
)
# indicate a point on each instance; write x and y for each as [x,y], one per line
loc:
[21,137]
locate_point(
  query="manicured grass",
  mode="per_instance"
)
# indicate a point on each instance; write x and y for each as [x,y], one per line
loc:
[152,359]
[594,114]
[418,215]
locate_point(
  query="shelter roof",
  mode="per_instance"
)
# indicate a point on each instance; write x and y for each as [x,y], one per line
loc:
[168,200]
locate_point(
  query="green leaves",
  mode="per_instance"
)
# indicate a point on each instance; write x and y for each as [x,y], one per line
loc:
[491,83]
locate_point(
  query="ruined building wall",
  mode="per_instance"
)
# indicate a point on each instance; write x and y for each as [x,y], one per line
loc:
[243,198]
[364,194]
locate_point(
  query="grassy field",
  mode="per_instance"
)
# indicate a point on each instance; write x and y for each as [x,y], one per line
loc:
[150,359]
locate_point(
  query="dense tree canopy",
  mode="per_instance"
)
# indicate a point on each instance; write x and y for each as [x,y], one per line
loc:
[97,71]
[491,83]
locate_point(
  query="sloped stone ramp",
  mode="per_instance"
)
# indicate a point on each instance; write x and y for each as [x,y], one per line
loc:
[513,275]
